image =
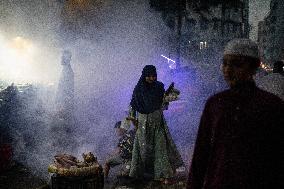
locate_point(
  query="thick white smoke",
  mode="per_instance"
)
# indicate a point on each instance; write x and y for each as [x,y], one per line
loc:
[107,59]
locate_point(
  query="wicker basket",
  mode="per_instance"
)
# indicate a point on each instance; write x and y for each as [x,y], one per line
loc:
[83,171]
[79,182]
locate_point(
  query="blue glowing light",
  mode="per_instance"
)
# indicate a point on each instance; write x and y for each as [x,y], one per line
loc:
[172,63]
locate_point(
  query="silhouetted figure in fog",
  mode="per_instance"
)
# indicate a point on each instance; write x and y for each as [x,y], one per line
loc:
[65,90]
[63,122]
[274,82]
[239,144]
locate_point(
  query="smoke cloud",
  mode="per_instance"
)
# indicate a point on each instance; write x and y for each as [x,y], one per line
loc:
[108,54]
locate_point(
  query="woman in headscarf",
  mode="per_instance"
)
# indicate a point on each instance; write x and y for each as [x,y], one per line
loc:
[154,155]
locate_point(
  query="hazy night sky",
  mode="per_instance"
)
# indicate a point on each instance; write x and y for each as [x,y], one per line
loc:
[258,10]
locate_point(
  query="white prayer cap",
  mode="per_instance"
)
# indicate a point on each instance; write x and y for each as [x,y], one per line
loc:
[243,47]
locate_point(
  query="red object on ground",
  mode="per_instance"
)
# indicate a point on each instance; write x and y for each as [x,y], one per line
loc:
[6,154]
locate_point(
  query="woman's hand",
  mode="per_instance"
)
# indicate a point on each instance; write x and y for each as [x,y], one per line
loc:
[134,121]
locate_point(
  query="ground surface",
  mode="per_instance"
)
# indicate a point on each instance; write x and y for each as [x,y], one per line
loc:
[19,177]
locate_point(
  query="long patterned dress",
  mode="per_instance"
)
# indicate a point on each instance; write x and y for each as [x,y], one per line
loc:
[154,153]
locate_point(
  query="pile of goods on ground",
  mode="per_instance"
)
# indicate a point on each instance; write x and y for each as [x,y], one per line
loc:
[68,165]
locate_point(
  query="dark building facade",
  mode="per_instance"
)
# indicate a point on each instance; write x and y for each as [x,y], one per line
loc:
[262,39]
[208,26]
[271,34]
[202,28]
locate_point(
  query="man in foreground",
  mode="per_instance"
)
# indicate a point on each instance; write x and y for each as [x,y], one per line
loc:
[238,144]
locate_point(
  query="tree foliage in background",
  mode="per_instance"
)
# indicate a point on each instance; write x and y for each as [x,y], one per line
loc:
[177,6]
[170,10]
[205,4]
[170,6]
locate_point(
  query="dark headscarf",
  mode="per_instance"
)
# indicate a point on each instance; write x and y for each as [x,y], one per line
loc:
[147,97]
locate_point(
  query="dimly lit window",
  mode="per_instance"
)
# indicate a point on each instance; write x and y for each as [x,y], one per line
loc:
[215,25]
[226,29]
[190,23]
[203,45]
[227,14]
[272,29]
[273,19]
[235,28]
[170,22]
[204,24]
[275,6]
[231,28]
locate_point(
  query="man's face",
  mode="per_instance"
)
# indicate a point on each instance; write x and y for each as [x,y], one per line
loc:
[151,79]
[235,70]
